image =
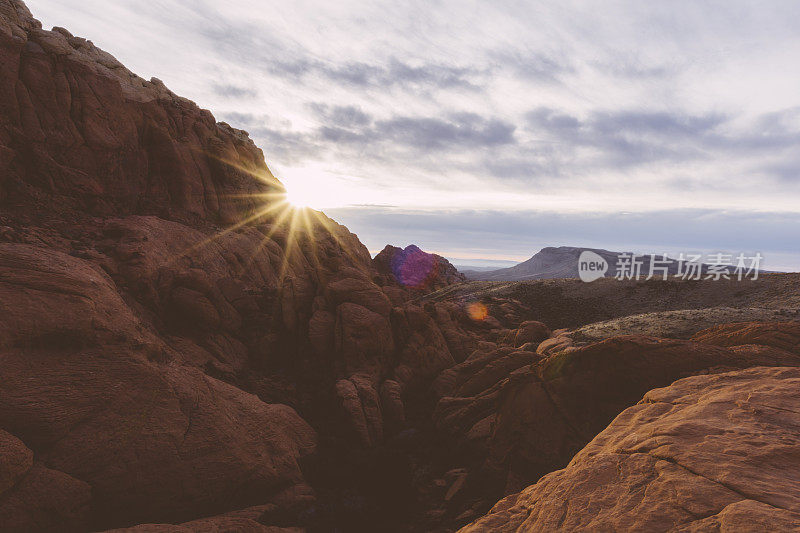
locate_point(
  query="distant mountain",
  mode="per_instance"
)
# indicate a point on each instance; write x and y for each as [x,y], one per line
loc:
[560,262]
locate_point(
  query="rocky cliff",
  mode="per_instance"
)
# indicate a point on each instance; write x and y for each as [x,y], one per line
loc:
[166,315]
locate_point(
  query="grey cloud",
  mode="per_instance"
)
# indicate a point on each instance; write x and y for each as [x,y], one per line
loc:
[238,119]
[347,133]
[347,116]
[633,68]
[787,172]
[359,74]
[675,133]
[771,131]
[626,138]
[660,123]
[554,121]
[234,91]
[471,143]
[343,136]
[568,145]
[515,167]
[622,123]
[245,43]
[286,146]
[294,69]
[394,73]
[438,75]
[464,130]
[779,122]
[454,132]
[533,65]
[280,144]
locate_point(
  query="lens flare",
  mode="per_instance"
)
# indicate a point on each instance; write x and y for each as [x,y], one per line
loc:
[477,311]
[414,268]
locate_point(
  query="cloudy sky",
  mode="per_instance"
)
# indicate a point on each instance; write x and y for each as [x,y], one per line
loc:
[487,130]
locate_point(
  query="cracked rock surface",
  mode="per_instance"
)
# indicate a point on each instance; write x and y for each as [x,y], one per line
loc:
[718,452]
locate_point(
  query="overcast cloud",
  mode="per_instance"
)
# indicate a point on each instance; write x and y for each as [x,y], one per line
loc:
[472,117]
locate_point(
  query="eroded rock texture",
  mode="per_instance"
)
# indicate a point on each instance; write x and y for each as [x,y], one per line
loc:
[717,452]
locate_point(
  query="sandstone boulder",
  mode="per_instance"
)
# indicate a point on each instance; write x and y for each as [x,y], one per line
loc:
[547,414]
[715,452]
[531,331]
[422,349]
[91,390]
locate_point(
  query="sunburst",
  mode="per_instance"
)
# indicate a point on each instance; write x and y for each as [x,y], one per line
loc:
[280,211]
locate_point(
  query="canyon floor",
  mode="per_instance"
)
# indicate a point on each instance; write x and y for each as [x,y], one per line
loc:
[181,350]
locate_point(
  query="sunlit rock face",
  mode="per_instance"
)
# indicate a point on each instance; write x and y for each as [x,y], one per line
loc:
[714,452]
[578,391]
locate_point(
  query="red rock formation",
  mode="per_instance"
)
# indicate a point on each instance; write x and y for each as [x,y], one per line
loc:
[548,413]
[242,521]
[531,331]
[780,335]
[78,126]
[412,268]
[89,387]
[707,453]
[517,415]
[33,496]
[122,296]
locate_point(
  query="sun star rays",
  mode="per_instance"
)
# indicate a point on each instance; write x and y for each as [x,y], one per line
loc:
[301,232]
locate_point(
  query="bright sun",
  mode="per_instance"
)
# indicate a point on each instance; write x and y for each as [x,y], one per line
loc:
[315,189]
[296,198]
